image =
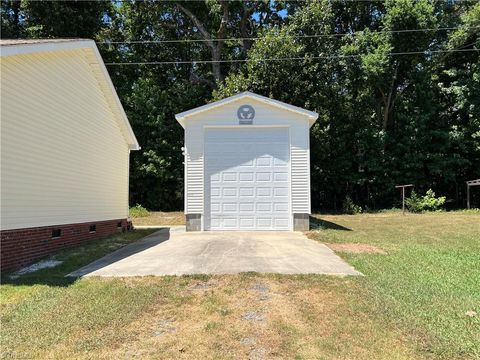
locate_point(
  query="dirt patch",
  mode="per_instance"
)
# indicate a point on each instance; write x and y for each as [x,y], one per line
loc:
[357,248]
[159,218]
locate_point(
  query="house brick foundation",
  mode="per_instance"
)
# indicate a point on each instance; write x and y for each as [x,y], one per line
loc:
[21,247]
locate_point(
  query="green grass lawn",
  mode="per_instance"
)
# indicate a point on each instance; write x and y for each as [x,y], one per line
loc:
[429,280]
[417,301]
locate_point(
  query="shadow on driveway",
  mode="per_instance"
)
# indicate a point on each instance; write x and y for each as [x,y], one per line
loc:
[143,244]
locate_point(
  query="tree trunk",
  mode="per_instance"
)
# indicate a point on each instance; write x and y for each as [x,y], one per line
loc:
[214,44]
[388,101]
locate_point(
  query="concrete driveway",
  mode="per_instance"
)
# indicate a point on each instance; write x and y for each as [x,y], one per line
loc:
[172,251]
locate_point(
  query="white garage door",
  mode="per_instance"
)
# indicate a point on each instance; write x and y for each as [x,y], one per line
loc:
[247,180]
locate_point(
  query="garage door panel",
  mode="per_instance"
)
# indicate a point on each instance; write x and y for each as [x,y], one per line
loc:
[230,207]
[246,191]
[264,161]
[244,176]
[280,208]
[265,207]
[246,207]
[215,223]
[281,223]
[263,176]
[247,182]
[280,176]
[247,223]
[264,222]
[230,223]
[280,191]
[229,192]
[280,162]
[264,191]
[229,176]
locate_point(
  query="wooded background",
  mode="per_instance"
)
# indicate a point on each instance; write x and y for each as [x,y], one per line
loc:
[396,83]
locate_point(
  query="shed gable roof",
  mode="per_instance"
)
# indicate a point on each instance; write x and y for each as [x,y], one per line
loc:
[97,66]
[311,115]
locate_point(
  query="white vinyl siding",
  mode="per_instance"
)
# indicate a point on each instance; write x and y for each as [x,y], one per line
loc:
[266,115]
[194,175]
[64,157]
[300,167]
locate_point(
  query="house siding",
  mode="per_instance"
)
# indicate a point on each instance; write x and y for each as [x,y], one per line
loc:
[61,162]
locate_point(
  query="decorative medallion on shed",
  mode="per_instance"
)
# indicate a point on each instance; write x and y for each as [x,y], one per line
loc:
[246,114]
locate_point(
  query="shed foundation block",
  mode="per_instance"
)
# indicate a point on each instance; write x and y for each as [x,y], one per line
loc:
[301,222]
[193,222]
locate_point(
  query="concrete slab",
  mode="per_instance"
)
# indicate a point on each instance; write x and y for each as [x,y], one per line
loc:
[172,251]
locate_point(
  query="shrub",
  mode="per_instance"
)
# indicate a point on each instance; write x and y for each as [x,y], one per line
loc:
[428,202]
[472,211]
[349,207]
[138,211]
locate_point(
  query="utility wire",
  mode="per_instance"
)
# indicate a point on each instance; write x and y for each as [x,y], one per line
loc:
[425,52]
[293,36]
[300,1]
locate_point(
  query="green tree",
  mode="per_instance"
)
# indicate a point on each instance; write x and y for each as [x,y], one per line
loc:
[53,19]
[379,121]
[11,27]
[457,83]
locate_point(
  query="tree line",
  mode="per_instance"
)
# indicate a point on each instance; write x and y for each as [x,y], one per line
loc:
[396,83]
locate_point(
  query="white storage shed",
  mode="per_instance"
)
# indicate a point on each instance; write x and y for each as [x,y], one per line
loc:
[247,164]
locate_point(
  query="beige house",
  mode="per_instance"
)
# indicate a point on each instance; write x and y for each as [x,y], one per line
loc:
[65,145]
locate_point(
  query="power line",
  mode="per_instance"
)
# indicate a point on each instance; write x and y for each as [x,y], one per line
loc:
[300,1]
[179,62]
[285,36]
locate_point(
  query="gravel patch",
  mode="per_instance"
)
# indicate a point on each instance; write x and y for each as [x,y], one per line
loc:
[253,316]
[200,286]
[262,290]
[247,341]
[44,264]
[164,327]
[257,354]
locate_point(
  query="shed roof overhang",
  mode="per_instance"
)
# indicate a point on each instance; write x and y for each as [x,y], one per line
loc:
[312,116]
[15,47]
